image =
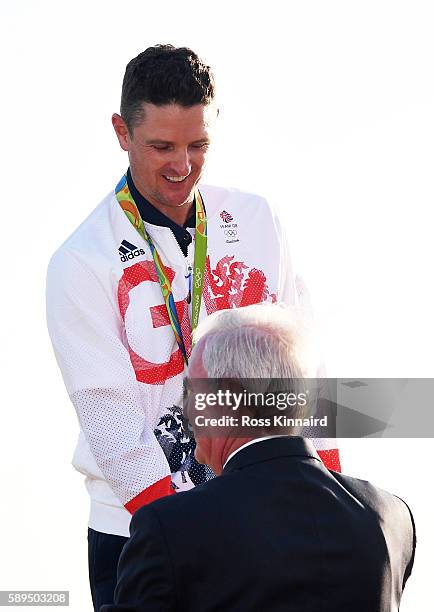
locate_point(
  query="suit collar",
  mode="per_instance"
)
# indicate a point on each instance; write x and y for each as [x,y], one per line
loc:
[289,446]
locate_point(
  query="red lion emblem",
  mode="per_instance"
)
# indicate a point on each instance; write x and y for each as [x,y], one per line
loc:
[232,284]
[226,217]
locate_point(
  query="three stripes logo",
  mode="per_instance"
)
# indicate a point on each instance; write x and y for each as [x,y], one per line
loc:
[129,251]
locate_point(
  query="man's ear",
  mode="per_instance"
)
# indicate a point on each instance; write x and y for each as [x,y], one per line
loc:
[122,132]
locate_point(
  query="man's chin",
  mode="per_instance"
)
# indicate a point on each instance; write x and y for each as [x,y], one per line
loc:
[175,203]
[178,194]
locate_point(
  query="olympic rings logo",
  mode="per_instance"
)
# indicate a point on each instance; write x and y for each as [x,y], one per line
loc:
[231,232]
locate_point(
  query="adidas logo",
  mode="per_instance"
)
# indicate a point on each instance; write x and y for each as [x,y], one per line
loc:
[129,251]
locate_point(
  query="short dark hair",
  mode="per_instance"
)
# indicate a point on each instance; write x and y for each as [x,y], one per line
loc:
[164,74]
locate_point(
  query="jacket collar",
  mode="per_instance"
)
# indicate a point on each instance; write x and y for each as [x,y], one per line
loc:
[290,446]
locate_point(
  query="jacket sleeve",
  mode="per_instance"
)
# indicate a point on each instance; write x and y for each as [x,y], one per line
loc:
[411,548]
[87,333]
[146,581]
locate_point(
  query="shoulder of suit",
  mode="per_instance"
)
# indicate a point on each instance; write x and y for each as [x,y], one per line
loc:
[373,497]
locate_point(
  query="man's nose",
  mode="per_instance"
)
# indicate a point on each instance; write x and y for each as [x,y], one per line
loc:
[181,163]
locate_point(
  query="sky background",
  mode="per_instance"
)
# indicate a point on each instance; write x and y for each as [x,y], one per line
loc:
[326,108]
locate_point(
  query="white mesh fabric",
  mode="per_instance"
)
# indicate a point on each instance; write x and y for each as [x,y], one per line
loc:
[86,331]
[125,450]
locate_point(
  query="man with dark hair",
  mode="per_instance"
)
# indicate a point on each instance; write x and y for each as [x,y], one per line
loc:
[126,289]
[164,75]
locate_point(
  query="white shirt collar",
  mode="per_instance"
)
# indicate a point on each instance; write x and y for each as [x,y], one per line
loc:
[249,443]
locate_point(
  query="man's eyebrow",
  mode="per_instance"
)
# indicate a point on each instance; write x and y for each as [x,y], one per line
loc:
[169,142]
[158,141]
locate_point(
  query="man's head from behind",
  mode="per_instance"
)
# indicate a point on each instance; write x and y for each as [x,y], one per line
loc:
[165,120]
[258,348]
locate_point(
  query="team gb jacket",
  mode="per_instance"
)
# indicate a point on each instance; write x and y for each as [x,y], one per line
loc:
[117,352]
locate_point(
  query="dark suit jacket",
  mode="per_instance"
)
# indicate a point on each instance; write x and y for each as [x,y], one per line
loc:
[276,531]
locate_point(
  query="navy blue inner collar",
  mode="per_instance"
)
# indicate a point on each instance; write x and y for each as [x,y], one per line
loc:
[150,214]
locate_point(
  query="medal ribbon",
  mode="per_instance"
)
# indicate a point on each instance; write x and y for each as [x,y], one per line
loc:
[126,202]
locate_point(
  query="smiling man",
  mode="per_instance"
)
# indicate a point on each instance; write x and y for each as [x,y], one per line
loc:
[167,152]
[127,288]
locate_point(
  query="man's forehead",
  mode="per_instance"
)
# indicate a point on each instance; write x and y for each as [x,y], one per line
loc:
[176,115]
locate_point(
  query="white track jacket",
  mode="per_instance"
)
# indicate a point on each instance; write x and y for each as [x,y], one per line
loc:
[117,352]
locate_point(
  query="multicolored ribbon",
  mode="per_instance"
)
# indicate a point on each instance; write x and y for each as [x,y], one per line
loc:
[131,210]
